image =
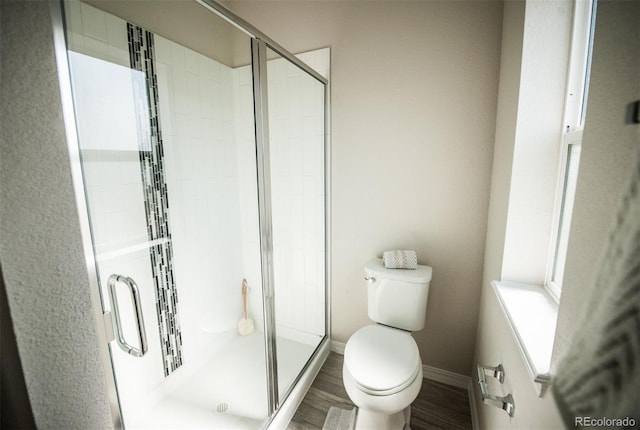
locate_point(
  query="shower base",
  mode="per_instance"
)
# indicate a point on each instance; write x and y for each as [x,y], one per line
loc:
[228,389]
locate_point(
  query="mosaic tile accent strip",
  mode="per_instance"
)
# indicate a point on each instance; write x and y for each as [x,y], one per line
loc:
[141,53]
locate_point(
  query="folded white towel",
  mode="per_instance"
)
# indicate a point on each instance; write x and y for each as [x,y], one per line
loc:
[400,259]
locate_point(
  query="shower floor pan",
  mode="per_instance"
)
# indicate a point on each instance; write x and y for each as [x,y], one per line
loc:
[229,390]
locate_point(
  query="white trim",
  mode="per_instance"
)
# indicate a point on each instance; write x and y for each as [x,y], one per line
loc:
[445,377]
[578,74]
[337,347]
[531,316]
[563,209]
[583,26]
[475,421]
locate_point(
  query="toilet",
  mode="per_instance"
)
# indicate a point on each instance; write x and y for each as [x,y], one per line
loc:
[382,371]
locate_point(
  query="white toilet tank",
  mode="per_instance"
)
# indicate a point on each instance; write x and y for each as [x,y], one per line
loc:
[397,297]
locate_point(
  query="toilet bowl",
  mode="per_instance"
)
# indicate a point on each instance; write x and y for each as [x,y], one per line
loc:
[382,375]
[382,371]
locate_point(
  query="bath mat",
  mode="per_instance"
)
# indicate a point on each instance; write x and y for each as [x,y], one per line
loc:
[339,419]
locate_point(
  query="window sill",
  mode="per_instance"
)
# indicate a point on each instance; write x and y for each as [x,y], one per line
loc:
[531,315]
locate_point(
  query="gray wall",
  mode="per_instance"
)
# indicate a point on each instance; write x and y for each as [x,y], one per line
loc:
[40,246]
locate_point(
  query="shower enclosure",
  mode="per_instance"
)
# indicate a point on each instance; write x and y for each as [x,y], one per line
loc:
[200,151]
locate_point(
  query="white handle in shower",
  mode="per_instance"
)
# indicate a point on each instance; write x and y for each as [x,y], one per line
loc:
[115,312]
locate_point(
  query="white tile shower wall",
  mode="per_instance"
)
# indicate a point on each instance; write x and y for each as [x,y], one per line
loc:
[248,190]
[204,169]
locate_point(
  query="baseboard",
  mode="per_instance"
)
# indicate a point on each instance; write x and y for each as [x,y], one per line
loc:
[337,347]
[475,422]
[446,377]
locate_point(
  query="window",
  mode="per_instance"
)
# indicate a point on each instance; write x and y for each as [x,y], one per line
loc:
[575,111]
[531,311]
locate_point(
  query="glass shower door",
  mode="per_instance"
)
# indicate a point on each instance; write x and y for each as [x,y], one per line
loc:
[297,176]
[165,130]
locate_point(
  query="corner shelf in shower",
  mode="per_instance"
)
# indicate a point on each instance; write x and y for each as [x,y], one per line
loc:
[110,255]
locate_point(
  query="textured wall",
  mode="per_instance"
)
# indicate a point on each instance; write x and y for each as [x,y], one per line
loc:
[40,247]
[414,91]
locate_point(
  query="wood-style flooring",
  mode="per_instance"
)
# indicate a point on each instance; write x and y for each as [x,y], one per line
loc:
[438,406]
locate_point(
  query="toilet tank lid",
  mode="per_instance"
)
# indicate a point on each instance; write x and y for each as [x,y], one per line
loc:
[375,266]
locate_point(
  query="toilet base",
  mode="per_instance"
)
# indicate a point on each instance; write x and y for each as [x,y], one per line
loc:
[371,420]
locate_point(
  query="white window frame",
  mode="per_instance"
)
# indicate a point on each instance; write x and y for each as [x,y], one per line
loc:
[570,148]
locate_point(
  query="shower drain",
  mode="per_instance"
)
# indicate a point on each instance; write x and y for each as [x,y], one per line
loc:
[222,407]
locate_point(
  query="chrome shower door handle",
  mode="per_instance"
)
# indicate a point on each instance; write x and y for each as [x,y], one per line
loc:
[115,312]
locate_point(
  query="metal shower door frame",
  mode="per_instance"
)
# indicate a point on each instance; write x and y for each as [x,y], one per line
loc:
[104,331]
[261,108]
[259,44]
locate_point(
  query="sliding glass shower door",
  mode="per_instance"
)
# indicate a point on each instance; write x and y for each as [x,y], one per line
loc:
[297,158]
[204,181]
[166,139]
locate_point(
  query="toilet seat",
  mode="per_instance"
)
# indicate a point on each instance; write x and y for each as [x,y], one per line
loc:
[382,360]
